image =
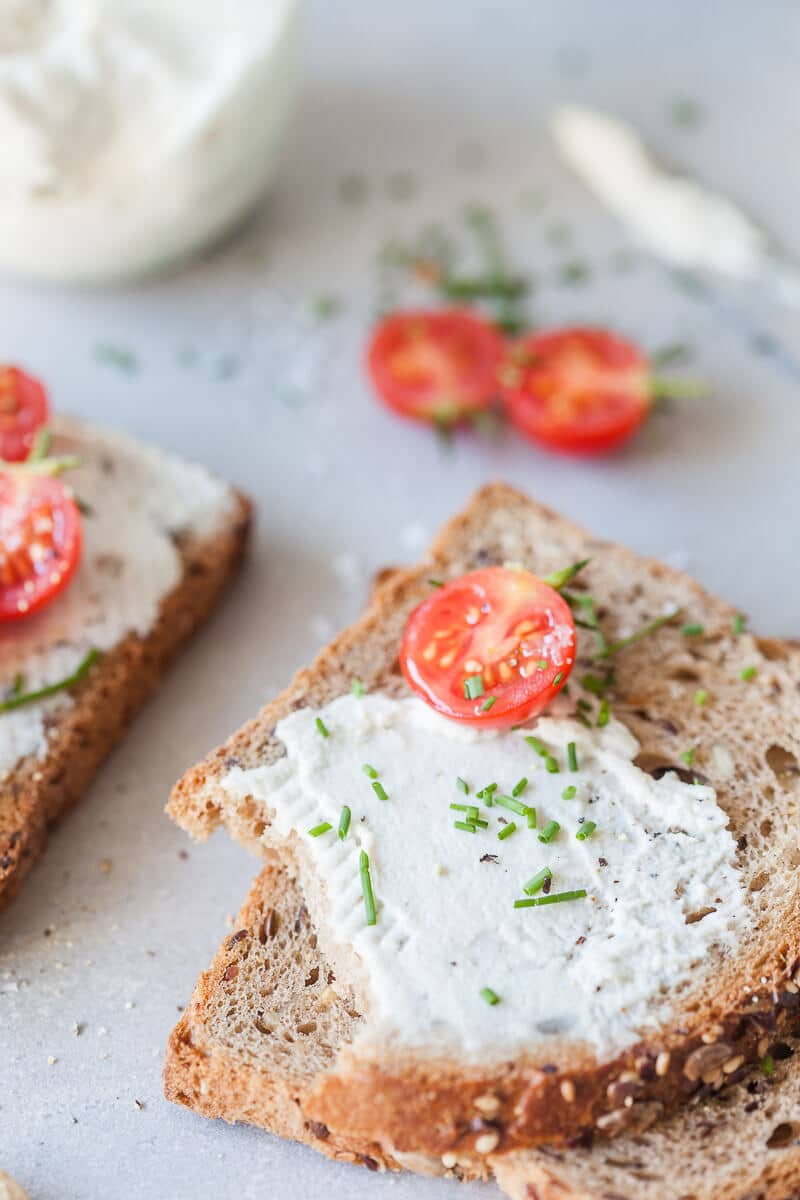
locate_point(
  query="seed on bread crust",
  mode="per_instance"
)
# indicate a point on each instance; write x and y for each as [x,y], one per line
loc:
[706,1061]
[662,1063]
[568,1090]
[635,1118]
[487,1142]
[488,1104]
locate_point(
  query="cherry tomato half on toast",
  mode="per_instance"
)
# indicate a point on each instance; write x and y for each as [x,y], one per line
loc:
[581,391]
[492,648]
[437,365]
[23,411]
[40,541]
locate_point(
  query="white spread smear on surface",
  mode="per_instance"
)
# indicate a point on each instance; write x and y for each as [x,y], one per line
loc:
[138,498]
[673,216]
[599,969]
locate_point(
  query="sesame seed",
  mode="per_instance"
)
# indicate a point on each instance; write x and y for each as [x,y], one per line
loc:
[487,1142]
[662,1063]
[568,1090]
[488,1104]
[449,1160]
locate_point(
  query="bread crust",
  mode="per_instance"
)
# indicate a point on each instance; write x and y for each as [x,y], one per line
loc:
[428,1104]
[82,734]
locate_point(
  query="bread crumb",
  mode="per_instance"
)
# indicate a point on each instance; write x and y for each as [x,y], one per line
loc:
[51,1060]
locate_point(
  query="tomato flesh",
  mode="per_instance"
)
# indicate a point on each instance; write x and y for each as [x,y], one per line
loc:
[582,391]
[40,542]
[23,411]
[435,366]
[492,648]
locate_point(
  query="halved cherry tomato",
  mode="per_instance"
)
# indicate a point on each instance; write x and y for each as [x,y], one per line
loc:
[583,391]
[40,541]
[493,647]
[23,410]
[435,366]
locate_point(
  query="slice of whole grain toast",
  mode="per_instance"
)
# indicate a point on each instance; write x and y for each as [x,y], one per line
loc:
[80,727]
[746,745]
[266,1018]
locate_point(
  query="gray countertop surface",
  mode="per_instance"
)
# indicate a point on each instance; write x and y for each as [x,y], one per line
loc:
[409,113]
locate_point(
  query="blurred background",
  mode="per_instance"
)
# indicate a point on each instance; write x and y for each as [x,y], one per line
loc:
[374,128]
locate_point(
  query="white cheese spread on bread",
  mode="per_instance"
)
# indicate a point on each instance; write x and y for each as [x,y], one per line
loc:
[664,895]
[137,500]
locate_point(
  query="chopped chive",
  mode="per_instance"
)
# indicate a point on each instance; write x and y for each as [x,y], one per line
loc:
[366,889]
[369,770]
[530,815]
[768,1065]
[688,755]
[357,688]
[594,684]
[569,793]
[701,696]
[582,704]
[559,579]
[489,996]
[509,802]
[550,898]
[542,664]
[481,824]
[558,677]
[645,631]
[586,830]
[552,765]
[18,697]
[318,830]
[603,713]
[472,812]
[321,727]
[572,756]
[747,673]
[487,792]
[488,702]
[473,687]
[519,788]
[462,785]
[693,629]
[739,622]
[586,604]
[538,746]
[537,883]
[459,807]
[549,832]
[379,790]
[467,826]
[344,823]
[507,831]
[436,582]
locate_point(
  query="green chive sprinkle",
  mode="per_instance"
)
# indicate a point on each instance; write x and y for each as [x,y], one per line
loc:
[18,697]
[552,765]
[344,823]
[530,814]
[582,704]
[489,996]
[488,702]
[368,770]
[739,622]
[558,677]
[467,826]
[645,631]
[507,831]
[569,793]
[537,883]
[321,727]
[559,579]
[701,696]
[487,792]
[550,898]
[572,756]
[515,806]
[519,788]
[379,790]
[538,746]
[318,830]
[549,832]
[436,582]
[481,824]
[473,687]
[357,688]
[586,830]
[747,673]
[459,807]
[462,785]
[594,684]
[768,1065]
[472,812]
[688,755]
[693,629]
[366,889]
[542,664]
[603,713]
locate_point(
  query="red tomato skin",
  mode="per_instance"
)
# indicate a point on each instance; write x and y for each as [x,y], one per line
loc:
[454,333]
[515,703]
[627,400]
[16,602]
[23,411]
